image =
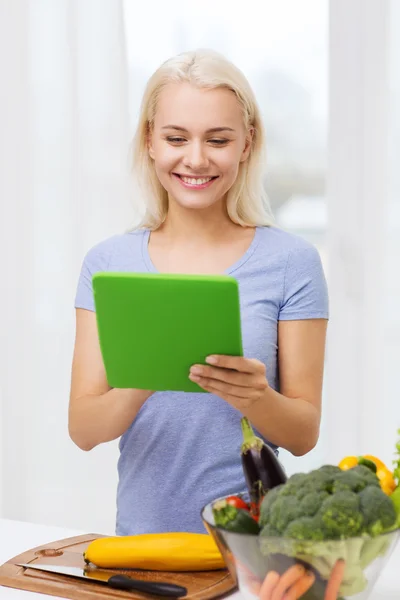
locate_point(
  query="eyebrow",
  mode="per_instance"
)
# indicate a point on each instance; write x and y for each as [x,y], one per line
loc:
[212,130]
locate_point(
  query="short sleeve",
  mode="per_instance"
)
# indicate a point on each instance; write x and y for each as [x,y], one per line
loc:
[97,259]
[305,292]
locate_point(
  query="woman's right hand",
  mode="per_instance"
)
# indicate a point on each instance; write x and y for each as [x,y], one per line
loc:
[97,413]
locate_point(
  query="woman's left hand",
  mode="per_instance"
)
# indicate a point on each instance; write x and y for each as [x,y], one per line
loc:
[238,380]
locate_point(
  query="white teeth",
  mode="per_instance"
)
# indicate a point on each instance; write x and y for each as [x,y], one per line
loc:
[192,181]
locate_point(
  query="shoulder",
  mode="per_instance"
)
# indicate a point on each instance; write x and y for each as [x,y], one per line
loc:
[287,250]
[296,264]
[113,250]
[277,240]
[119,252]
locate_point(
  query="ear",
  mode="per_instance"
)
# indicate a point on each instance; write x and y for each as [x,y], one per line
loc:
[149,136]
[248,145]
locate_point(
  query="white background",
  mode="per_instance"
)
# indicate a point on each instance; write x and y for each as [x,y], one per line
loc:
[327,79]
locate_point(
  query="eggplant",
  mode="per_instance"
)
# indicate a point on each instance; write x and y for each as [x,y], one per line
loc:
[261,467]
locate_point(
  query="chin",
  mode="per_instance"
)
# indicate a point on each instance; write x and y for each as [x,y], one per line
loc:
[196,204]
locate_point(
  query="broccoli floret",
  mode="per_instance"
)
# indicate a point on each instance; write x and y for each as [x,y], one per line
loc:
[305,528]
[377,509]
[329,470]
[302,484]
[311,503]
[283,511]
[269,531]
[341,515]
[322,479]
[294,487]
[267,502]
[282,514]
[297,478]
[365,473]
[349,481]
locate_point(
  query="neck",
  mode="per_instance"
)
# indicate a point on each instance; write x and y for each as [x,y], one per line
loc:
[197,224]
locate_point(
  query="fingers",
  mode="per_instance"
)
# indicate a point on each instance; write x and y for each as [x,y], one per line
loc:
[237,363]
[234,378]
[225,389]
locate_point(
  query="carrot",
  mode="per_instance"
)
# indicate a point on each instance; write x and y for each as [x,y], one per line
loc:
[291,576]
[268,585]
[301,586]
[335,581]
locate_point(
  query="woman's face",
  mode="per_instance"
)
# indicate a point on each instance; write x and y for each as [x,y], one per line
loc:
[197,143]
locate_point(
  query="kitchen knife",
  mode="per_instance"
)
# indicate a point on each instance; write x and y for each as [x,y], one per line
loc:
[120,582]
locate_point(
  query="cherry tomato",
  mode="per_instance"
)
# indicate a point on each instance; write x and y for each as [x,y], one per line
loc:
[255,509]
[237,502]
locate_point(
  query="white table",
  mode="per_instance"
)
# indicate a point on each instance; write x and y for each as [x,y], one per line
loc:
[17,537]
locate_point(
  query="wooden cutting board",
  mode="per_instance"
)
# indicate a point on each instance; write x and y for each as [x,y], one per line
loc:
[201,585]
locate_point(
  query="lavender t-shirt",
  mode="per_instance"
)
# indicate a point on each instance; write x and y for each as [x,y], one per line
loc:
[183,449]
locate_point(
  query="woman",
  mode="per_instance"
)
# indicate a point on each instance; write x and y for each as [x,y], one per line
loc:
[199,154]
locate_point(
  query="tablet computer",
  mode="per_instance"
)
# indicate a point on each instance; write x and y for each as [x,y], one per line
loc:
[153,327]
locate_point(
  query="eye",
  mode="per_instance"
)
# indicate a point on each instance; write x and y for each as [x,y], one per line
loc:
[219,142]
[175,139]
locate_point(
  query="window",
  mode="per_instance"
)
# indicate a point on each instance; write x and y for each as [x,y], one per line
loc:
[282,49]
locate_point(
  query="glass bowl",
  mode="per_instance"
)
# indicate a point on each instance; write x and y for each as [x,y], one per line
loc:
[336,569]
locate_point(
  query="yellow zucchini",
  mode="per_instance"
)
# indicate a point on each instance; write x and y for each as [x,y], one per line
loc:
[176,551]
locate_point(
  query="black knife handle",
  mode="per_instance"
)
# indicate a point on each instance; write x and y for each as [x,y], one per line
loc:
[123,582]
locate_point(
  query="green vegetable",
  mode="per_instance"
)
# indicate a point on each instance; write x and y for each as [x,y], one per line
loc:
[396,461]
[328,514]
[355,480]
[395,498]
[234,519]
[367,463]
[378,510]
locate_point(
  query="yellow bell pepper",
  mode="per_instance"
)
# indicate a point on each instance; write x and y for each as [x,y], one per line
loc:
[348,463]
[385,476]
[386,480]
[377,461]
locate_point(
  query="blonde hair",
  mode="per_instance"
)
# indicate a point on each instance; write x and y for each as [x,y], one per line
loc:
[247,202]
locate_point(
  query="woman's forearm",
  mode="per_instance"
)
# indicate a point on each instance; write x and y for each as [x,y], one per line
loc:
[97,419]
[290,423]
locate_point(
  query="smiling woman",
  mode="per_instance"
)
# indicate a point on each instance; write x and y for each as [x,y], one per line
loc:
[199,154]
[196,155]
[203,118]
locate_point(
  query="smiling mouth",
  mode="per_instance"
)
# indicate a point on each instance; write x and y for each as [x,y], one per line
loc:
[195,180]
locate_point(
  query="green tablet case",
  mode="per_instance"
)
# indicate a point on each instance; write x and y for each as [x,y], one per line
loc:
[153,327]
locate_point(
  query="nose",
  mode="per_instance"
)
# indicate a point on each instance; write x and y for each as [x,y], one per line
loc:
[196,157]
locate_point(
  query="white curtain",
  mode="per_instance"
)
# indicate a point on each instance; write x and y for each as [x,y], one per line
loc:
[64,139]
[362,411]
